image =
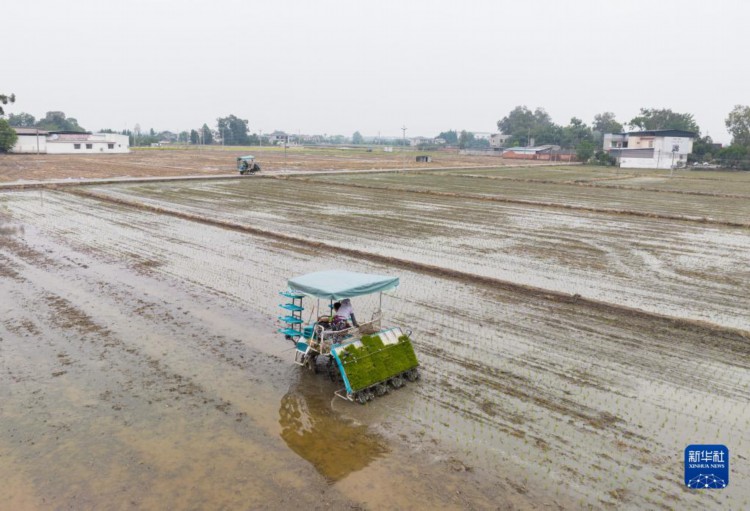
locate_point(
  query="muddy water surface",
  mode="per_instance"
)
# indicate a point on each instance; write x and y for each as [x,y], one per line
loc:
[683,269]
[151,338]
[134,378]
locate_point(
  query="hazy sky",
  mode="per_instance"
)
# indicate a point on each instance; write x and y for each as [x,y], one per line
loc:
[330,66]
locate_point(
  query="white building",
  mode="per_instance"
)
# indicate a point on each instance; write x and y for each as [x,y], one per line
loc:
[417,141]
[34,141]
[652,149]
[281,138]
[482,135]
[30,140]
[498,140]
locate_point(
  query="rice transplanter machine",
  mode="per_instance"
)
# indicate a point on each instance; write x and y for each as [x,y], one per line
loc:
[368,359]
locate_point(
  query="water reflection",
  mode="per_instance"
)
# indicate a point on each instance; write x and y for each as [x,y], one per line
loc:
[335,446]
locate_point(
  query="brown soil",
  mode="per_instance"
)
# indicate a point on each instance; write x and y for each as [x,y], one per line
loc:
[212,161]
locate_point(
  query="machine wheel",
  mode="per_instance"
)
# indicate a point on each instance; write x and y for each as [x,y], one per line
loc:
[397,382]
[361,398]
[380,389]
[412,374]
[312,363]
[256,168]
[333,371]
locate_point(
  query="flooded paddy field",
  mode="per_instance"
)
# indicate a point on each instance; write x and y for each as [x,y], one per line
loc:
[698,199]
[680,180]
[140,368]
[140,365]
[684,269]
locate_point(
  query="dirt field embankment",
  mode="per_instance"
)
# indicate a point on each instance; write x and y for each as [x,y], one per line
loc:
[215,161]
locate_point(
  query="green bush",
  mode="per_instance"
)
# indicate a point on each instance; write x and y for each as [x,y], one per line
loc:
[8,136]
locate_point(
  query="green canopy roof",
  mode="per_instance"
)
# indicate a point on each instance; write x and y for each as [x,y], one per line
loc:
[340,284]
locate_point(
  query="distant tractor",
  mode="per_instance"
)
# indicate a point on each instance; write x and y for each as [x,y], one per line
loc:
[247,165]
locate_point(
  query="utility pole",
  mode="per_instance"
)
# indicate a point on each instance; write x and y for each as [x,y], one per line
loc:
[403,144]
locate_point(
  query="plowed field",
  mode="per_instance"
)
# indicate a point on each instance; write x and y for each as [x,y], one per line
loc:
[216,160]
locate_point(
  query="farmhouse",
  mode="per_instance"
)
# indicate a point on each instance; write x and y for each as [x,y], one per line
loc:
[650,149]
[498,141]
[35,141]
[422,141]
[281,138]
[542,152]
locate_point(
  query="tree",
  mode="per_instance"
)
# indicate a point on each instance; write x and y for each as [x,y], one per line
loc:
[183,137]
[5,99]
[147,140]
[357,138]
[575,133]
[480,143]
[522,124]
[22,120]
[703,149]
[664,119]
[735,156]
[738,124]
[606,123]
[585,151]
[548,134]
[56,121]
[465,139]
[604,158]
[521,120]
[194,137]
[233,130]
[8,136]
[167,135]
[206,135]
[450,137]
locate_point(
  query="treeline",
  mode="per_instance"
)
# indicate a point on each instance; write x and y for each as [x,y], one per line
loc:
[230,130]
[524,126]
[52,121]
[464,139]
